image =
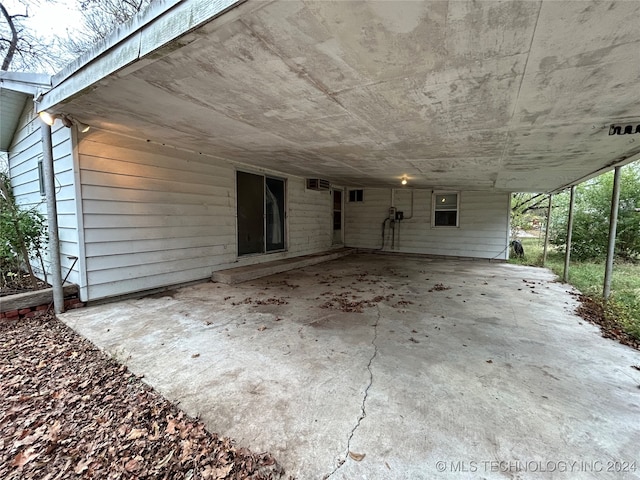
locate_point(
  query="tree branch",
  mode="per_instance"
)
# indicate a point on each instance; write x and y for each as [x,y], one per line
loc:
[540,196]
[13,43]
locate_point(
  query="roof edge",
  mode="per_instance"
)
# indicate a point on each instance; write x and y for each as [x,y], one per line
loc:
[121,33]
[25,82]
[145,33]
[621,161]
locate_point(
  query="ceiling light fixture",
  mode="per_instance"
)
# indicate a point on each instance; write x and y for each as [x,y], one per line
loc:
[67,120]
[47,118]
[83,127]
[404,180]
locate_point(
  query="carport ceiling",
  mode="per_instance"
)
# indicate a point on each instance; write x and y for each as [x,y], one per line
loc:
[506,96]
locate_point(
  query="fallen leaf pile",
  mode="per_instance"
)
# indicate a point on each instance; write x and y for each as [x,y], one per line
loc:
[267,301]
[593,312]
[69,411]
[341,302]
[439,287]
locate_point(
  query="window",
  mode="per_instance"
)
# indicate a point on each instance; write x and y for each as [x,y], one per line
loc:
[261,214]
[41,177]
[445,209]
[356,195]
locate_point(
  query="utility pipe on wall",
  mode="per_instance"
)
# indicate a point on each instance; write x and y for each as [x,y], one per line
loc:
[567,253]
[613,226]
[52,217]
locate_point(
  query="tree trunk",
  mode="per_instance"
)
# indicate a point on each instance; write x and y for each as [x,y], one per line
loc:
[13,43]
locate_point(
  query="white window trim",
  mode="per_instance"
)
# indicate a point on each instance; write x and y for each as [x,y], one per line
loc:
[355,190]
[41,176]
[434,194]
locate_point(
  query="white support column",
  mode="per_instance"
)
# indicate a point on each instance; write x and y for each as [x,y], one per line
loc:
[613,226]
[52,217]
[567,253]
[546,232]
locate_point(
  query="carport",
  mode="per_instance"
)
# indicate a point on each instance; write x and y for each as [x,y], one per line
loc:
[184,112]
[421,368]
[372,366]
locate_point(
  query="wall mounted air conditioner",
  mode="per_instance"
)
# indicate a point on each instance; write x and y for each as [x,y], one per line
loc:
[318,184]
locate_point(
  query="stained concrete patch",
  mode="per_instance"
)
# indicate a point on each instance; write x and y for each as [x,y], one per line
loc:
[426,384]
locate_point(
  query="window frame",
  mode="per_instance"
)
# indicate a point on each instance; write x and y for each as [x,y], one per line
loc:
[356,199]
[434,204]
[41,177]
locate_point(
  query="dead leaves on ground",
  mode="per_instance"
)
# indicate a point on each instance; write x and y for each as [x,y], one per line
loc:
[66,410]
[439,287]
[593,312]
[267,301]
[343,303]
[358,457]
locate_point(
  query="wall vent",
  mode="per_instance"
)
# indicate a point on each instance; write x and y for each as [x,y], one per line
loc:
[624,129]
[318,184]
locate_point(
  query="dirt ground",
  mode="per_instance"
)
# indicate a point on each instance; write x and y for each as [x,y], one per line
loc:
[67,410]
[13,282]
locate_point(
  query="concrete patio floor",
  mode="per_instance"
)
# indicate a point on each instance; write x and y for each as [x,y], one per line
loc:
[451,368]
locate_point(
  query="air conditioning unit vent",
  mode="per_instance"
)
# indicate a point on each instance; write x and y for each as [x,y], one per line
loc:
[318,184]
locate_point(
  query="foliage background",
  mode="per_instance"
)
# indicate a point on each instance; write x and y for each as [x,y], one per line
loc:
[592,211]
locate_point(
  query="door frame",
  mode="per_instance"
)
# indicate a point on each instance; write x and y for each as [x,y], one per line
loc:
[264,176]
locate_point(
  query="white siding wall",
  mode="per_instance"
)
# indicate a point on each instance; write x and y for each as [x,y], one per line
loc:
[152,220]
[483,230]
[24,154]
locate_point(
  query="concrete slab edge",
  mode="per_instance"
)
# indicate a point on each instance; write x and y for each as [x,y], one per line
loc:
[237,275]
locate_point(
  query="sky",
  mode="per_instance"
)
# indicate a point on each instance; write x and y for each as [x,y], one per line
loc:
[48,17]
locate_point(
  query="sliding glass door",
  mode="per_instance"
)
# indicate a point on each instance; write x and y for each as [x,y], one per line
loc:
[261,213]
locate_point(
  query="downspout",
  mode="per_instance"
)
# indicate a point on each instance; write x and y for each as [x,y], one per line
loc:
[567,253]
[613,226]
[52,217]
[546,232]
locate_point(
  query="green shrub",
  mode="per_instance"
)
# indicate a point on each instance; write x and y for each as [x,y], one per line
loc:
[23,232]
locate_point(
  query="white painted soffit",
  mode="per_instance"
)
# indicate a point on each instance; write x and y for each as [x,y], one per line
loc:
[16,88]
[483,95]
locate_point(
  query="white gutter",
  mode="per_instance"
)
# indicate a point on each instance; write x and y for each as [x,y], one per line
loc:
[161,23]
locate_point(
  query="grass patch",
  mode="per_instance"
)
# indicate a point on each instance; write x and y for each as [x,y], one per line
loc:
[588,277]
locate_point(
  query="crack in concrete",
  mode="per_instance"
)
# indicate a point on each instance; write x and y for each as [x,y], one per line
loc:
[363,410]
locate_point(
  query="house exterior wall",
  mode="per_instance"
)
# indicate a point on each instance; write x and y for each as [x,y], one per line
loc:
[142,216]
[23,155]
[483,224]
[156,219]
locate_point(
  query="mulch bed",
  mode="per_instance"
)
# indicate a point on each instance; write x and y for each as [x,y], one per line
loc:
[593,312]
[17,282]
[69,411]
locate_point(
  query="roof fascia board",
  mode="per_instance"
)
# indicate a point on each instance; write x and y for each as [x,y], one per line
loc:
[620,162]
[120,34]
[25,82]
[145,33]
